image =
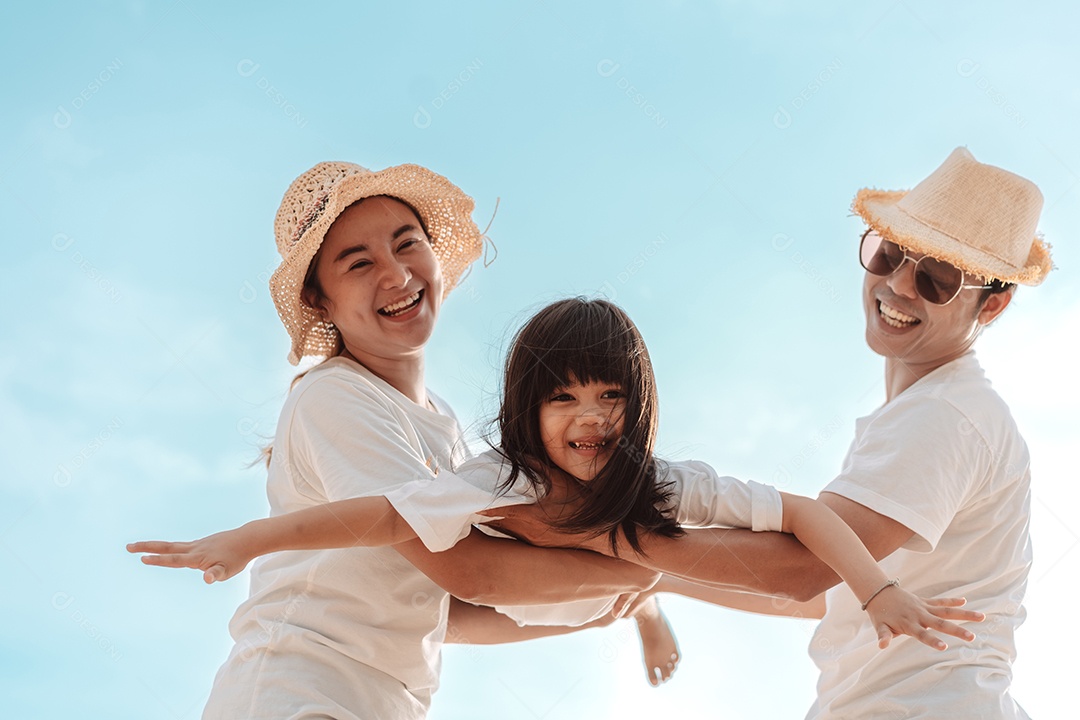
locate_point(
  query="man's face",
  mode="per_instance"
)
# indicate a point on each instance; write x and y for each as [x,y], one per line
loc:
[903,326]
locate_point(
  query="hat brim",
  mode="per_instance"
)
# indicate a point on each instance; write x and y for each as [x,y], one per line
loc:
[444,209]
[878,209]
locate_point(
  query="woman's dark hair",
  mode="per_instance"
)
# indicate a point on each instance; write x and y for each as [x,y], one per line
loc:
[580,340]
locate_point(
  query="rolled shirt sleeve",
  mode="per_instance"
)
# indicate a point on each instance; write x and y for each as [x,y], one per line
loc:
[442,510]
[706,499]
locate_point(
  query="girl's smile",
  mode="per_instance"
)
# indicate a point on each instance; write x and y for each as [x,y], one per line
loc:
[580,425]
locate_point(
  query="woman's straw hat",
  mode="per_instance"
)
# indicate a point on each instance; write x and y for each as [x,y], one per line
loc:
[313,202]
[980,218]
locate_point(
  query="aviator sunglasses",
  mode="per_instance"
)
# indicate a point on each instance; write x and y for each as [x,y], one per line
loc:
[936,282]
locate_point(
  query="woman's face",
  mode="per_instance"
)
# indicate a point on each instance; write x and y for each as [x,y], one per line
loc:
[382,285]
[580,425]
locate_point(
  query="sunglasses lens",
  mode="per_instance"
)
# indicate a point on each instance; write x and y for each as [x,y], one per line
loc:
[878,255]
[938,282]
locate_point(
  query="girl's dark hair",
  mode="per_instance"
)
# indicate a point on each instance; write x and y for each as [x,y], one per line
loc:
[580,340]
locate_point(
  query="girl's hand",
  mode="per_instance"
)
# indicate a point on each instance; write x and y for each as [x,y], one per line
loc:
[895,612]
[219,556]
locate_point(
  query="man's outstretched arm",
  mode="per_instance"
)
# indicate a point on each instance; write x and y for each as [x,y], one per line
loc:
[761,562]
[771,563]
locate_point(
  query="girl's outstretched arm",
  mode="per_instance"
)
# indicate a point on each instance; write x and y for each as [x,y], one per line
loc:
[356,522]
[893,610]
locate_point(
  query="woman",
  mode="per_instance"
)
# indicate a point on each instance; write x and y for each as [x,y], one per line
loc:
[367,259]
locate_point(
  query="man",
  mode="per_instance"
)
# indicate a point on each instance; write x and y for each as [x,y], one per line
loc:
[936,482]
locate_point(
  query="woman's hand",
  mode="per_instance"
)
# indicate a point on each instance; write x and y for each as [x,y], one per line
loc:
[895,611]
[219,556]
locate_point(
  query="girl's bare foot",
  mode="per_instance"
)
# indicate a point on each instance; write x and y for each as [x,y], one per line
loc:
[659,649]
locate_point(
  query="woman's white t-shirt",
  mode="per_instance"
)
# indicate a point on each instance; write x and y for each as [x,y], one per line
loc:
[442,511]
[348,631]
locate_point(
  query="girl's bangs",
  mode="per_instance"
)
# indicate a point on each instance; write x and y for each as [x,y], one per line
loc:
[573,359]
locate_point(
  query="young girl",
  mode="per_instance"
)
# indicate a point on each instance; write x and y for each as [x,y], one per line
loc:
[578,426]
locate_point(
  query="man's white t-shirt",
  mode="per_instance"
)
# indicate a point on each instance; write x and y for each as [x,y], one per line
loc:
[945,459]
[351,632]
[442,512]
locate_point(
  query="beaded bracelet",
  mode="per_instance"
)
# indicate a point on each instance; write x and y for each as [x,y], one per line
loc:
[895,582]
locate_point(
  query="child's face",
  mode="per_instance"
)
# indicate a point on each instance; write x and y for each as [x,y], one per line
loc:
[580,425]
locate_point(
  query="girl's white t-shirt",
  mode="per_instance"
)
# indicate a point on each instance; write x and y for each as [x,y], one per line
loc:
[444,509]
[367,612]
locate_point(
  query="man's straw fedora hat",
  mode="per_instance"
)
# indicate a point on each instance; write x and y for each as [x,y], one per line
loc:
[978,217]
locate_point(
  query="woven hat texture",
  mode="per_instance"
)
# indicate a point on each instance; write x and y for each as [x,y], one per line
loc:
[978,217]
[315,199]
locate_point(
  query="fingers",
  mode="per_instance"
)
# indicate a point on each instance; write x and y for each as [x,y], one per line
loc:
[946,602]
[169,560]
[922,629]
[947,608]
[215,573]
[947,628]
[930,639]
[884,636]
[157,547]
[954,614]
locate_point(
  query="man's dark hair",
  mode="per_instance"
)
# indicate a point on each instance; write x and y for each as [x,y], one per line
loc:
[994,287]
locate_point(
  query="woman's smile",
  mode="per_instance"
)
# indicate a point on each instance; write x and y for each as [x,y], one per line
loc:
[401,308]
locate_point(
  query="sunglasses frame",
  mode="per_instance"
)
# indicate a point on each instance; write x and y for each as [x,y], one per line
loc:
[862,241]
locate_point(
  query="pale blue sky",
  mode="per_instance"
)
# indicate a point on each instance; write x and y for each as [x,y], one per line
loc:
[693,161]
